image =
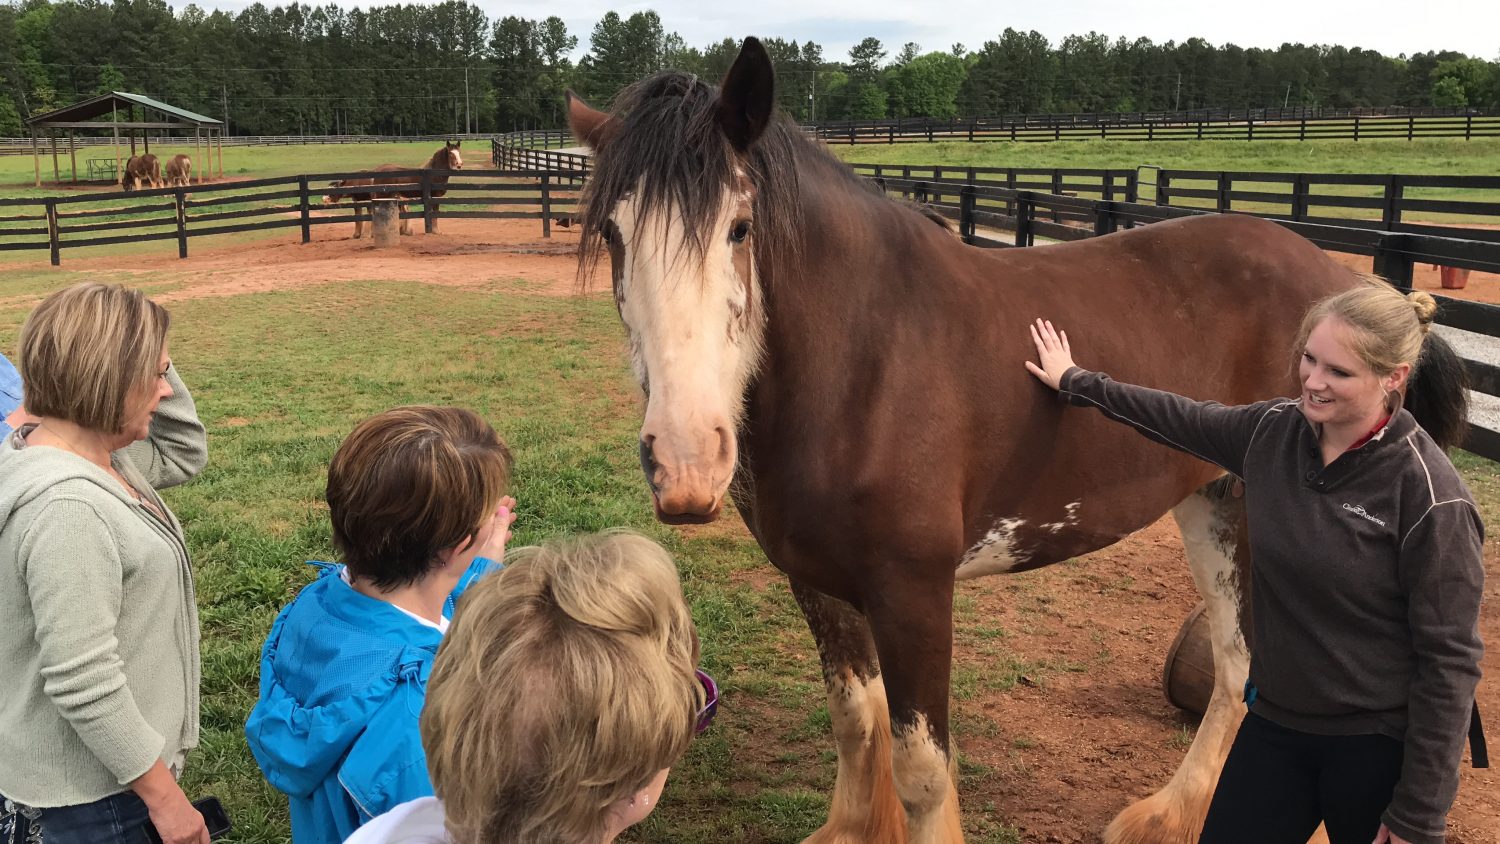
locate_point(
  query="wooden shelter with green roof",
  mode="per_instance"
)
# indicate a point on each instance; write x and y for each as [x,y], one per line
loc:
[112,106]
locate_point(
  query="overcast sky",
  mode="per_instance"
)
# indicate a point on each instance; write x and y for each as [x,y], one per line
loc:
[1393,28]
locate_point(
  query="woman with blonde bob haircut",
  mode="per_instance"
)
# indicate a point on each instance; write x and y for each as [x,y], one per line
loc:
[100,644]
[561,698]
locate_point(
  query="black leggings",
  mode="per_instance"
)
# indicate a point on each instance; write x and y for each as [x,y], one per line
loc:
[1279,783]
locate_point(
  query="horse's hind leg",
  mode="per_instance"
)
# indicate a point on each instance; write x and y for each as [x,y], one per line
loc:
[1213,534]
[865,808]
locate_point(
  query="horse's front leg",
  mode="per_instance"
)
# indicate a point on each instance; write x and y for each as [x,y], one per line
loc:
[865,808]
[912,622]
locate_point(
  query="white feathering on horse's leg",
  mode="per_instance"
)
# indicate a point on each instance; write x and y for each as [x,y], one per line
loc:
[865,808]
[925,780]
[1209,520]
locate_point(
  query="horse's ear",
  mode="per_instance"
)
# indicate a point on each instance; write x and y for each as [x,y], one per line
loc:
[748,96]
[591,127]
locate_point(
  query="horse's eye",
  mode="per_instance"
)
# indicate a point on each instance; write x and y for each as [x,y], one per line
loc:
[740,231]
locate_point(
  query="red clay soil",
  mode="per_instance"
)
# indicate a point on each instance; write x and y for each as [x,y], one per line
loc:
[1079,736]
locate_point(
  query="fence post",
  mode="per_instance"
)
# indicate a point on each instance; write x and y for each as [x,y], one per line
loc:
[971,131]
[1299,197]
[1057,184]
[53,241]
[1468,126]
[303,209]
[891,134]
[1226,183]
[1024,209]
[937,185]
[1393,261]
[428,220]
[1163,183]
[1356,128]
[1411,125]
[966,213]
[1132,187]
[1104,217]
[1302,129]
[929,130]
[546,206]
[1390,215]
[182,249]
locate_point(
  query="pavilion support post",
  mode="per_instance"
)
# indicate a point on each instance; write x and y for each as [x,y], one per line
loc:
[56,170]
[221,153]
[73,154]
[119,171]
[36,158]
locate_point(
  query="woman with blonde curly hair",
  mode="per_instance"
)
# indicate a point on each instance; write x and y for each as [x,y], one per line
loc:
[559,701]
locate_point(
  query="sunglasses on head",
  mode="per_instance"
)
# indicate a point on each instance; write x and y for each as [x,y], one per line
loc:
[710,698]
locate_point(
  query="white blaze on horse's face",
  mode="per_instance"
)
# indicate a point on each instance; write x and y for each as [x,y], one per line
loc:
[695,337]
[456,157]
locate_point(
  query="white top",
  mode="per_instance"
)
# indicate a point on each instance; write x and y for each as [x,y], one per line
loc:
[440,626]
[418,821]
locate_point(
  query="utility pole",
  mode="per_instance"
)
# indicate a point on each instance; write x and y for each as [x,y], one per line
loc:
[467,119]
[1288,97]
[1177,99]
[224,92]
[812,99]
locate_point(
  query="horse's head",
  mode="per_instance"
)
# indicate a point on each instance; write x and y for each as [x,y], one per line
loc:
[693,197]
[449,157]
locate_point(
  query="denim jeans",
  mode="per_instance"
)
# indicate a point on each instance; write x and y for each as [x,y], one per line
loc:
[118,819]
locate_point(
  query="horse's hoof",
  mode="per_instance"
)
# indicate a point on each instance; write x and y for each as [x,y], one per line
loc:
[1158,819]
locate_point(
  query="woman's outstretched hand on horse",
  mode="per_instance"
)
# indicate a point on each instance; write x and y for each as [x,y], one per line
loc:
[1052,349]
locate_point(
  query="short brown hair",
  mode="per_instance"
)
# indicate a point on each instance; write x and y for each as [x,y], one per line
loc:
[566,684]
[88,350]
[410,483]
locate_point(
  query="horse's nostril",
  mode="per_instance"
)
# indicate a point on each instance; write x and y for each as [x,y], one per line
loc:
[648,460]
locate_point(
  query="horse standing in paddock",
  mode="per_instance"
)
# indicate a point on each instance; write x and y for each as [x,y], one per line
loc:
[141,169]
[857,387]
[360,201]
[179,171]
[445,159]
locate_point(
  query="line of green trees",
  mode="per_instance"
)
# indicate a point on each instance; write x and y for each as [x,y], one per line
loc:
[447,67]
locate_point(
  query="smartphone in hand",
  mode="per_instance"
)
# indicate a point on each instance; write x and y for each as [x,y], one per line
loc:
[214,817]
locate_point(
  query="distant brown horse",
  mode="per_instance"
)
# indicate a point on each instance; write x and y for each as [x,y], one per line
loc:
[446,159]
[852,376]
[179,171]
[141,169]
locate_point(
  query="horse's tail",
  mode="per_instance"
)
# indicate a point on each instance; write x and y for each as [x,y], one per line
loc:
[1438,392]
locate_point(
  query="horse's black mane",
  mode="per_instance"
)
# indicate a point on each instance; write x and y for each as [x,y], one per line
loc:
[670,152]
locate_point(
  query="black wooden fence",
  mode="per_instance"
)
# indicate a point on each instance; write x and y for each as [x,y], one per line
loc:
[1356,128]
[1457,206]
[180,214]
[1031,214]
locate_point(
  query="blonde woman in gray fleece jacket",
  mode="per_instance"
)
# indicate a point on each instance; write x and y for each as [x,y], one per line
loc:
[99,639]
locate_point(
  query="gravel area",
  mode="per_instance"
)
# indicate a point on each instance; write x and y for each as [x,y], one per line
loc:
[1484,410]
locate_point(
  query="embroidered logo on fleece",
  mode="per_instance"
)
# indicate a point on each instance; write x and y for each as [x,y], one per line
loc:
[1359,510]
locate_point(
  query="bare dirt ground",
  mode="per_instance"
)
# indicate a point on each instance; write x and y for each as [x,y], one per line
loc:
[1058,753]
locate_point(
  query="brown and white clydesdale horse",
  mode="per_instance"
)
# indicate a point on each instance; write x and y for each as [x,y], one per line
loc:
[857,387]
[139,170]
[444,160]
[179,171]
